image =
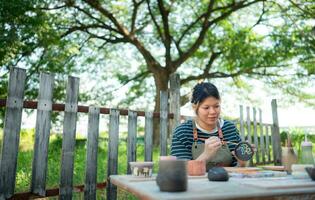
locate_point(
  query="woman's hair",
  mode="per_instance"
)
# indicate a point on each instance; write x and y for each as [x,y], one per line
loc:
[203,90]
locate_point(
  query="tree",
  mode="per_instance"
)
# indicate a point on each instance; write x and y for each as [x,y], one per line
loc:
[172,36]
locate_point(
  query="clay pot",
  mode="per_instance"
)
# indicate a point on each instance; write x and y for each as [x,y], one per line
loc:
[168,158]
[196,167]
[172,175]
[141,169]
[311,172]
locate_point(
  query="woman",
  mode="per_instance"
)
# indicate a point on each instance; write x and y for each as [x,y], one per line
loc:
[208,137]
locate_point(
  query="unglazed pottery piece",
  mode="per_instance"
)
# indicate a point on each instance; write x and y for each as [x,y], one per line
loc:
[141,169]
[168,158]
[172,175]
[196,167]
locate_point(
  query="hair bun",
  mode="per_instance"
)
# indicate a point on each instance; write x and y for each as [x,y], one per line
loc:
[204,90]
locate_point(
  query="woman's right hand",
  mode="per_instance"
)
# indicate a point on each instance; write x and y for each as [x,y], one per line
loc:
[212,145]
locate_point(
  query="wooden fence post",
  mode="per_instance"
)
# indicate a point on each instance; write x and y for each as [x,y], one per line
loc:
[262,143]
[242,131]
[132,139]
[11,132]
[42,133]
[112,158]
[249,135]
[68,140]
[267,143]
[91,154]
[255,135]
[174,101]
[276,134]
[163,122]
[148,137]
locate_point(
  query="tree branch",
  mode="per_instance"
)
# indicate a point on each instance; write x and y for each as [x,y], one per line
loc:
[260,19]
[205,27]
[213,56]
[234,8]
[115,40]
[167,36]
[245,71]
[84,28]
[199,40]
[134,14]
[189,27]
[92,17]
[96,5]
[153,65]
[158,28]
[311,14]
[140,76]
[136,77]
[53,8]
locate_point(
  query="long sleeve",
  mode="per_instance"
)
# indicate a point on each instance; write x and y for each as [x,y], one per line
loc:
[180,146]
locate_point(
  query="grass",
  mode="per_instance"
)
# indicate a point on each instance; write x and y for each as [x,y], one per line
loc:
[25,157]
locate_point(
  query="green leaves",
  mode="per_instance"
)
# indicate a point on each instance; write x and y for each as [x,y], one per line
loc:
[123,43]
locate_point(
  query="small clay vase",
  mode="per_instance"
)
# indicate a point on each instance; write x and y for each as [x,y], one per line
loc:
[196,167]
[172,175]
[288,158]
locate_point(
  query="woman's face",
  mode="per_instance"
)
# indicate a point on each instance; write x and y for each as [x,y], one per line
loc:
[208,111]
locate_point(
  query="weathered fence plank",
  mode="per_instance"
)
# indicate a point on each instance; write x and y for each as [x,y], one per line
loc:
[276,133]
[174,100]
[267,142]
[249,135]
[11,132]
[242,131]
[255,135]
[132,139]
[261,137]
[68,141]
[272,142]
[163,122]
[43,121]
[112,162]
[148,137]
[91,154]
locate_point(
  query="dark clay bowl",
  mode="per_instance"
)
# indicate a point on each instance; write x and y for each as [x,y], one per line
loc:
[244,151]
[311,172]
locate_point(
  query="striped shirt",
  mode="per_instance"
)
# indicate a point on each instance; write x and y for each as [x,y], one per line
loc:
[183,138]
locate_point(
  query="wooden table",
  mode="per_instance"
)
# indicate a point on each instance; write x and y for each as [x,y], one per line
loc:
[236,188]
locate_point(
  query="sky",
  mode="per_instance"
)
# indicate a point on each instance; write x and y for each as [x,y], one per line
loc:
[294,116]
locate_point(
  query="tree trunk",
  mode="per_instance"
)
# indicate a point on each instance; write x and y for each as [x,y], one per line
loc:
[161,80]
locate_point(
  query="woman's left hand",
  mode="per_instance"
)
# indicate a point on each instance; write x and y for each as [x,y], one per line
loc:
[242,163]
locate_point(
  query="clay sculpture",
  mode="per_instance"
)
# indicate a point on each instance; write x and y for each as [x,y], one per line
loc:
[218,174]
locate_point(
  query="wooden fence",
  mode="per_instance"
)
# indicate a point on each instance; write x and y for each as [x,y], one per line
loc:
[15,103]
[266,137]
